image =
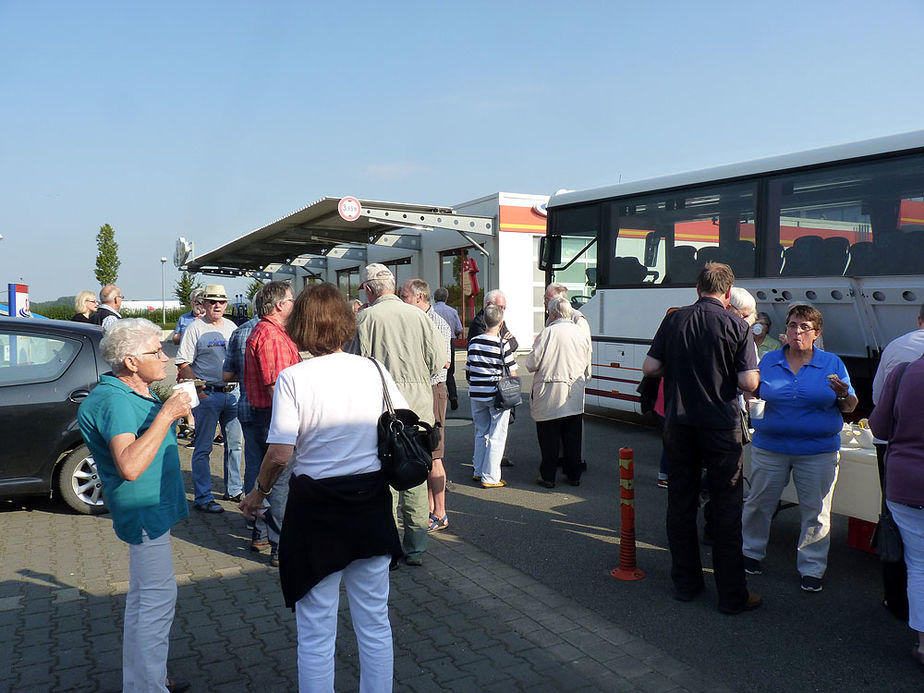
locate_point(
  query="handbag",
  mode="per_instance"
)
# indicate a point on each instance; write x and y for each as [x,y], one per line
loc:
[406,443]
[509,389]
[887,539]
[744,419]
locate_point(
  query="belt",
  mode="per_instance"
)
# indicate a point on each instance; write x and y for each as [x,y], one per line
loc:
[220,388]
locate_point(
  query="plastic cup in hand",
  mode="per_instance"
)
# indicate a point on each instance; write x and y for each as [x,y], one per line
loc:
[190,389]
[756,408]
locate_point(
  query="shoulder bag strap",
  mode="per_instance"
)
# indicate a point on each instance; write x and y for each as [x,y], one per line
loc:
[504,366]
[386,396]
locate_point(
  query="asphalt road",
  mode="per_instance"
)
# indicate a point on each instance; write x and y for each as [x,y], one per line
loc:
[838,640]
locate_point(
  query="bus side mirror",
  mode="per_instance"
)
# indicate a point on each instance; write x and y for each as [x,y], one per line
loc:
[549,252]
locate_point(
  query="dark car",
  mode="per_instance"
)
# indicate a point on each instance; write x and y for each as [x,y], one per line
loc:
[47,367]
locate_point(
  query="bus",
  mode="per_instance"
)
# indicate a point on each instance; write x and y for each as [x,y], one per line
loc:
[841,228]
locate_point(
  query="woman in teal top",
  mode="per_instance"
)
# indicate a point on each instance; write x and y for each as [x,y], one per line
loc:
[132,437]
[806,391]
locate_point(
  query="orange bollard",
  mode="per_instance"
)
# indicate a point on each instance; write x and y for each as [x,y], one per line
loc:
[627,569]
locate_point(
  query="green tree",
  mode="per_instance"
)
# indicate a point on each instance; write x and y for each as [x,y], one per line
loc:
[185,286]
[252,289]
[107,256]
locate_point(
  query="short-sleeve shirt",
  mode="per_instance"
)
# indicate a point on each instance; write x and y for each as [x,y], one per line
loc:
[234,363]
[446,333]
[703,348]
[801,415]
[487,355]
[156,500]
[269,351]
[328,407]
[204,347]
[184,321]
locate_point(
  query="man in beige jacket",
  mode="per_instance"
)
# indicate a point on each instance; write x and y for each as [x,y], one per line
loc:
[560,360]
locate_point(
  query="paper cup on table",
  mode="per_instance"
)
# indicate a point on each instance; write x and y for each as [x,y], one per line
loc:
[756,408]
[190,389]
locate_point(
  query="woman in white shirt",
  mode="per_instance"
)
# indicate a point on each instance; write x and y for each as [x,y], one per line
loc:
[339,521]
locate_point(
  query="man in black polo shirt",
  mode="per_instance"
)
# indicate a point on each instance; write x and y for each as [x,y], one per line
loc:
[705,354]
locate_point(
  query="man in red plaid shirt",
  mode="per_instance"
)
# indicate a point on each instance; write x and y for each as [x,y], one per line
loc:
[270,350]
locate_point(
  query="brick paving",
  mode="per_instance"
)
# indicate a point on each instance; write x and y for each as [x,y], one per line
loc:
[465,621]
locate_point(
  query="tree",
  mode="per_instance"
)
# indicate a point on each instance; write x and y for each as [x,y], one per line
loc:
[252,289]
[185,286]
[107,256]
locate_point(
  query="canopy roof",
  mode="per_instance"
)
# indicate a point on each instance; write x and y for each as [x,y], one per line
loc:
[318,228]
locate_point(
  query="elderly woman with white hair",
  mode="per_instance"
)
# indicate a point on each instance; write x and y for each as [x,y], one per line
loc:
[132,437]
[560,360]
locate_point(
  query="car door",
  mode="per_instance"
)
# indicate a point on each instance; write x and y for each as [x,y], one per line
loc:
[44,375]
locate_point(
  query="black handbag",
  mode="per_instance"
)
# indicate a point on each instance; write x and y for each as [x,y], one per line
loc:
[509,389]
[406,443]
[887,539]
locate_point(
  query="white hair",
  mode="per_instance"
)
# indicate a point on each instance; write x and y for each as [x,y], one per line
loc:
[743,302]
[556,289]
[561,307]
[126,337]
[493,294]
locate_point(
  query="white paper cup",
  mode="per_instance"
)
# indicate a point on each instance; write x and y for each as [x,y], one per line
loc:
[756,408]
[190,389]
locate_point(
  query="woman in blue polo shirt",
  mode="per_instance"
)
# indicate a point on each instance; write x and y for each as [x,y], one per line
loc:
[131,434]
[806,392]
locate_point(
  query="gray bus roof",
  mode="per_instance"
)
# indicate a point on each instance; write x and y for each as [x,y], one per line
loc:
[841,152]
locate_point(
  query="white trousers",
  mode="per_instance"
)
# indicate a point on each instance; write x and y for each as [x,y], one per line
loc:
[366,582]
[149,608]
[814,477]
[910,523]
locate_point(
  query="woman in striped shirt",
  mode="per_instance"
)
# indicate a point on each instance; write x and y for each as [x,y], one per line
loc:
[487,354]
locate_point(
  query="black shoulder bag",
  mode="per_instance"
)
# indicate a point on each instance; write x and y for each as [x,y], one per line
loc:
[509,393]
[405,443]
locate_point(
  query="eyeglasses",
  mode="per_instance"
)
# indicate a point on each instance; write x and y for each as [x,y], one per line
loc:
[210,302]
[158,353]
[91,300]
[800,326]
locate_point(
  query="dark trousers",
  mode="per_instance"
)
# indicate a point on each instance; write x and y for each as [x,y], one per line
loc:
[451,376]
[564,432]
[689,450]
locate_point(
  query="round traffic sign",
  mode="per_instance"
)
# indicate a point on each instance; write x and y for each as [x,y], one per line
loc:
[349,208]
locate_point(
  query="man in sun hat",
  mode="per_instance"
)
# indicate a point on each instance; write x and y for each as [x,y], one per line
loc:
[201,355]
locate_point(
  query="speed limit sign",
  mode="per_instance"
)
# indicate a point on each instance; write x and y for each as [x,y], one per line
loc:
[349,208]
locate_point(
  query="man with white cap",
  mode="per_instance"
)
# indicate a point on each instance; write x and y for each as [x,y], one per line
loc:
[409,345]
[201,355]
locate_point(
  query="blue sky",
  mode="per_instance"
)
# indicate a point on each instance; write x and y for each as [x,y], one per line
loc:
[210,119]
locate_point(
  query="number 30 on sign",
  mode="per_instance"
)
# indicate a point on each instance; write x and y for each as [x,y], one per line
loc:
[349,208]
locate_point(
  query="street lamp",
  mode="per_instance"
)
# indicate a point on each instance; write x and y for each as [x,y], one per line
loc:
[163,291]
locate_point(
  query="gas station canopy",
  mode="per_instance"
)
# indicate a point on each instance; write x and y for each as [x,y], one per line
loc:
[322,226]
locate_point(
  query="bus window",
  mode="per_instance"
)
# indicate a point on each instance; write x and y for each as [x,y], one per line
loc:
[668,238]
[577,228]
[858,219]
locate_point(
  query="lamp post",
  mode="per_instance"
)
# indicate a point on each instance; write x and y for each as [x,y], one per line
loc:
[163,291]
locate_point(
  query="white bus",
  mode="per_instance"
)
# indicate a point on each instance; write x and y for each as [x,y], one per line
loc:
[841,228]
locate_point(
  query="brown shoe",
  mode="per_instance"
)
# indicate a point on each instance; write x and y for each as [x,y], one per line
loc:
[753,601]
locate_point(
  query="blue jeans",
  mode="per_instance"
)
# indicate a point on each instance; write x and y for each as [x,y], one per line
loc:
[218,407]
[490,439]
[254,449]
[270,524]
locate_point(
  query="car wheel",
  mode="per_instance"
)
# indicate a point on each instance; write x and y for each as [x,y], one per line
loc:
[79,483]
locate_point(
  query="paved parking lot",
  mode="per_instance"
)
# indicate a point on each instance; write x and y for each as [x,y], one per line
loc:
[464,622]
